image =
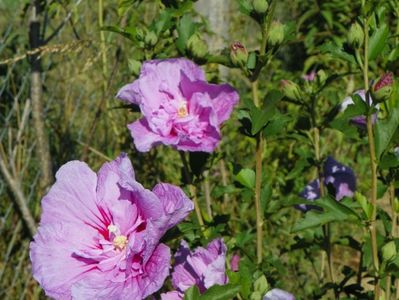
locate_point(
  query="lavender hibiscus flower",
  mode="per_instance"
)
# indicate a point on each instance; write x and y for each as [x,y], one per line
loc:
[202,267]
[277,294]
[180,108]
[337,177]
[99,233]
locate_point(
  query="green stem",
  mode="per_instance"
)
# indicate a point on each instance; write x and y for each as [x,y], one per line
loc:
[394,234]
[373,163]
[326,227]
[192,189]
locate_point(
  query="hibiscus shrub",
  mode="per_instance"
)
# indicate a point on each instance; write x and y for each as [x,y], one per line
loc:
[241,149]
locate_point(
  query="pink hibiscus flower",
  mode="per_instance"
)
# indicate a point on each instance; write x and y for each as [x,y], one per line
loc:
[99,233]
[180,108]
[203,267]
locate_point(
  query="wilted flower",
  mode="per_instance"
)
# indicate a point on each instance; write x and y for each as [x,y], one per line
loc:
[339,179]
[234,262]
[277,294]
[382,89]
[99,233]
[202,267]
[179,107]
[358,120]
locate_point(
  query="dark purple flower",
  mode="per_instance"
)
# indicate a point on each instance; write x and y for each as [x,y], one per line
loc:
[277,294]
[339,180]
[180,108]
[203,267]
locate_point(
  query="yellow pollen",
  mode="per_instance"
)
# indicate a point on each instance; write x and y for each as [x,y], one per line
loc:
[120,242]
[182,110]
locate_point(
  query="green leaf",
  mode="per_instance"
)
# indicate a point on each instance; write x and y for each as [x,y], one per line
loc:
[192,293]
[261,285]
[251,62]
[185,29]
[385,130]
[337,52]
[221,292]
[163,22]
[247,178]
[378,41]
[333,211]
[128,33]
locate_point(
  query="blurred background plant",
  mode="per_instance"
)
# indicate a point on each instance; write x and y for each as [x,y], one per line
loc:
[62,62]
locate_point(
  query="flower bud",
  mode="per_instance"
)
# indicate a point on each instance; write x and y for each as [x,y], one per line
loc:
[151,39]
[276,34]
[382,89]
[389,250]
[355,35]
[197,46]
[321,77]
[260,6]
[238,54]
[291,90]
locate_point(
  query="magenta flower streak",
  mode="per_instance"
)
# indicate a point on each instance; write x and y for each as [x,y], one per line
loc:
[179,107]
[99,233]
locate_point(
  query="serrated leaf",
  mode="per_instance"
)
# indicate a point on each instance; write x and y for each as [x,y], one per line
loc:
[378,41]
[221,292]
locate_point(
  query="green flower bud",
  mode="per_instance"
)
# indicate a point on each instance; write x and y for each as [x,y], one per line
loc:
[197,46]
[382,89]
[291,90]
[388,251]
[355,35]
[140,34]
[276,34]
[238,54]
[321,77]
[260,6]
[151,39]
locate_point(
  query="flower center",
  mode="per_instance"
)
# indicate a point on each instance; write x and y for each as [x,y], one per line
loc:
[120,242]
[182,110]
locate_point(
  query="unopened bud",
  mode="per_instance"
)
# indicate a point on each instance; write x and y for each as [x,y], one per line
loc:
[382,89]
[140,34]
[238,54]
[291,90]
[321,77]
[260,6]
[355,36]
[276,34]
[151,39]
[197,47]
[389,250]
